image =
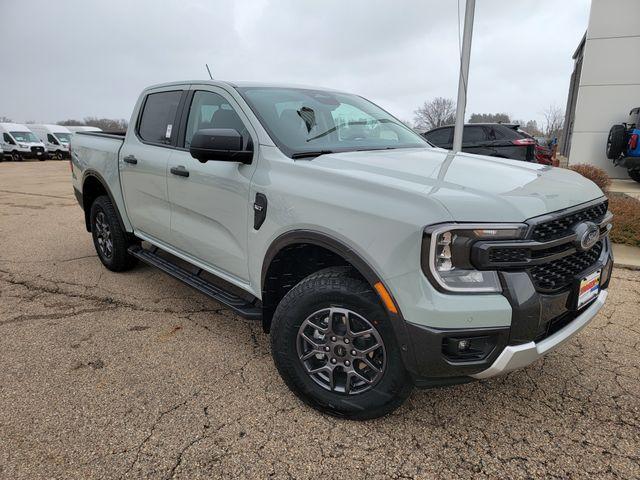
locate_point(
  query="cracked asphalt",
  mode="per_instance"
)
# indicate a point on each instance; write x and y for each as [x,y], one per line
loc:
[134,375]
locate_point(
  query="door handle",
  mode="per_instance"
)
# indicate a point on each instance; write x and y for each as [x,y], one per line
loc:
[130,159]
[180,171]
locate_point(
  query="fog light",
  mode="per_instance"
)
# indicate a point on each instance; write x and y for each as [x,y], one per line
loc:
[459,349]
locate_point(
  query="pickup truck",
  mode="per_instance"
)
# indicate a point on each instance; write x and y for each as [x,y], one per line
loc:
[375,261]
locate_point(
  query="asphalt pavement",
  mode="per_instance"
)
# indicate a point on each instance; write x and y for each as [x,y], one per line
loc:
[134,375]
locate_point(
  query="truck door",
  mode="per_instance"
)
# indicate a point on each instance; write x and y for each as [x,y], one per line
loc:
[143,163]
[210,204]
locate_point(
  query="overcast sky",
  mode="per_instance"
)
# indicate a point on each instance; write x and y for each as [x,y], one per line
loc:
[76,58]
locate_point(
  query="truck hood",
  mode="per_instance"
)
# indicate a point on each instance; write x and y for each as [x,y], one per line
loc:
[472,188]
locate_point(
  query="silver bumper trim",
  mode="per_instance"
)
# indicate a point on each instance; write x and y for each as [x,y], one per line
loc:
[519,356]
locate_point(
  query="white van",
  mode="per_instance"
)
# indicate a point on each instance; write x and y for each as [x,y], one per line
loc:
[83,128]
[56,139]
[19,142]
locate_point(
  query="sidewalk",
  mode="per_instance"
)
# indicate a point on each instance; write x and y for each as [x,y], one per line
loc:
[626,256]
[627,186]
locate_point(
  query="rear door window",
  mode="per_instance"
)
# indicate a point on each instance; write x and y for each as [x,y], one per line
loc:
[157,122]
[473,135]
[440,137]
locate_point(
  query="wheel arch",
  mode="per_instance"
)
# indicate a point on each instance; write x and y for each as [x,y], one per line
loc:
[337,251]
[94,185]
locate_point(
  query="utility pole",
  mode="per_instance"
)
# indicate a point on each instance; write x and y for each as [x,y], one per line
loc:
[463,82]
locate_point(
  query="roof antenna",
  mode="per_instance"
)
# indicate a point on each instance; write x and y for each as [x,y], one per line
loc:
[210,76]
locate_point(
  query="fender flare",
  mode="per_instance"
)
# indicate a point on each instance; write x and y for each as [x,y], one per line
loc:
[87,211]
[321,240]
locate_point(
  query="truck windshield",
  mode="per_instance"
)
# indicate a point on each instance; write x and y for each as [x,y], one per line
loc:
[303,121]
[24,137]
[63,137]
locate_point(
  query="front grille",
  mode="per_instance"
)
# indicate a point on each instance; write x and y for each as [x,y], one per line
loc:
[560,273]
[563,226]
[508,255]
[37,149]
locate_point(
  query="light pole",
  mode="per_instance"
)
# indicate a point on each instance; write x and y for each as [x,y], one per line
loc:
[463,82]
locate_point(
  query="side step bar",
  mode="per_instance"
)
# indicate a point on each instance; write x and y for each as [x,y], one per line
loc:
[239,305]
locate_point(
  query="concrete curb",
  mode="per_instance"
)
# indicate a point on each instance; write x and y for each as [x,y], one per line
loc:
[626,266]
[626,256]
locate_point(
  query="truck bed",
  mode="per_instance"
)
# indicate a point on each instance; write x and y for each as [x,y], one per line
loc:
[113,134]
[97,153]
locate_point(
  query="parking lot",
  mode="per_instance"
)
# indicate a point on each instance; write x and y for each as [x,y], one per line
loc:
[135,375]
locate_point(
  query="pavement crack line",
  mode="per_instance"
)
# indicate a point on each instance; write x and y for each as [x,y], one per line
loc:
[153,428]
[51,316]
[37,194]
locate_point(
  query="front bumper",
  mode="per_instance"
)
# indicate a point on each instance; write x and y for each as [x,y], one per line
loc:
[539,323]
[519,356]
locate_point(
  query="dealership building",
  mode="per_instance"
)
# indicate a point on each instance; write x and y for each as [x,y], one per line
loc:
[605,84]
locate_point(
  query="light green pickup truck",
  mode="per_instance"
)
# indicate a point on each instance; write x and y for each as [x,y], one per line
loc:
[376,262]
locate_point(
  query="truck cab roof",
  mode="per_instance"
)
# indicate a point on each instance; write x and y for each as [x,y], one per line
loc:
[238,84]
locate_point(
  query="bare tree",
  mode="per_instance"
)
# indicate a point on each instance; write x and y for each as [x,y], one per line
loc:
[553,120]
[70,122]
[436,113]
[489,118]
[107,124]
[529,126]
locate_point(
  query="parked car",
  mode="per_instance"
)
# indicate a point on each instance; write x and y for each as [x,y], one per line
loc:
[375,261]
[491,139]
[55,138]
[542,150]
[19,142]
[623,145]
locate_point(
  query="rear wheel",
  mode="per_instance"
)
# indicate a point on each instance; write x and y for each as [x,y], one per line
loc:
[110,241]
[616,141]
[634,174]
[334,347]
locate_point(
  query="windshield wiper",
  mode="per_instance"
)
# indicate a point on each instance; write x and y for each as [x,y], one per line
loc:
[316,153]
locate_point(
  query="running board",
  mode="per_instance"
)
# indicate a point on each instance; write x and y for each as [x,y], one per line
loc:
[239,305]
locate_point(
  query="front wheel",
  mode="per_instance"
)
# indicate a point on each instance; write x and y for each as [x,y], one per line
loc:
[110,241]
[16,157]
[634,173]
[334,347]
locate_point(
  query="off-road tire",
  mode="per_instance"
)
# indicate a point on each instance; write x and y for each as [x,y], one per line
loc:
[616,141]
[634,174]
[119,260]
[337,287]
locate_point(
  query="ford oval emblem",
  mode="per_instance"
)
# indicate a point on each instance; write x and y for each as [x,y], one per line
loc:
[587,235]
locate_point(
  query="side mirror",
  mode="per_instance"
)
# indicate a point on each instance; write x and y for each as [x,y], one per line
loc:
[221,144]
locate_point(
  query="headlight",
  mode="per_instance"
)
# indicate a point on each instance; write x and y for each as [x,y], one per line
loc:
[22,145]
[446,255]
